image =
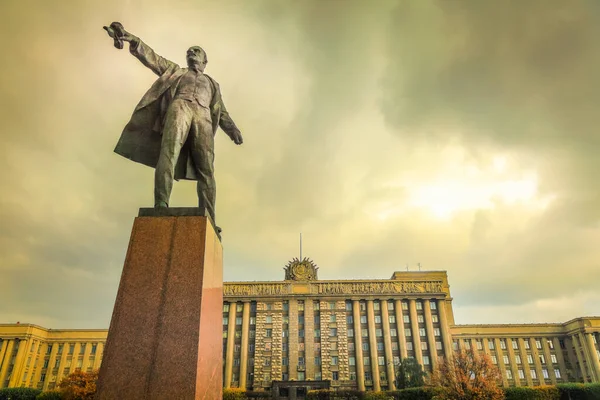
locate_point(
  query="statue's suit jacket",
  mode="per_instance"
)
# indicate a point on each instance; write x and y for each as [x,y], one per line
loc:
[141,138]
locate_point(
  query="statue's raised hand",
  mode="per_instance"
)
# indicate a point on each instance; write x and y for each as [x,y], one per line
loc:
[118,33]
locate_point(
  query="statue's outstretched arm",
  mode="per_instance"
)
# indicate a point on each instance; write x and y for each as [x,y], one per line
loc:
[159,65]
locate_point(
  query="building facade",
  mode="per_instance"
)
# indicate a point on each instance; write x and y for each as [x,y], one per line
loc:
[301,333]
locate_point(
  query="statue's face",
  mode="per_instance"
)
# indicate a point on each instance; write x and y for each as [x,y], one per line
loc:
[196,56]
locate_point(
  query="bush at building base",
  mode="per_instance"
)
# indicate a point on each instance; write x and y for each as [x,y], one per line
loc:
[19,393]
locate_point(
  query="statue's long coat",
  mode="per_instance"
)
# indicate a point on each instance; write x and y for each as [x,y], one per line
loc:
[141,138]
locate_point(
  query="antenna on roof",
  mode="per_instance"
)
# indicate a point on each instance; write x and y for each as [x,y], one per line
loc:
[407,266]
[300,246]
[419,264]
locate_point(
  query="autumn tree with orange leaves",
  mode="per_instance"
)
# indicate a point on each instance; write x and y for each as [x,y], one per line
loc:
[467,376]
[79,385]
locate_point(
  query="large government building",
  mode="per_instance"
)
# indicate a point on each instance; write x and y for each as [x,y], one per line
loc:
[299,333]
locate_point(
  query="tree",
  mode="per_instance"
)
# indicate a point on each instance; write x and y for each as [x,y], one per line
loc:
[79,385]
[468,376]
[409,373]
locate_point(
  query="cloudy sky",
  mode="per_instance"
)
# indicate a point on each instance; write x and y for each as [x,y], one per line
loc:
[462,135]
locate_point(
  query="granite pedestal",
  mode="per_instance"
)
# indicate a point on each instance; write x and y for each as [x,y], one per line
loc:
[165,338]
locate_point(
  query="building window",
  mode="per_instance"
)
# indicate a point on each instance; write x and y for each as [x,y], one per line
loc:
[479,344]
[362,306]
[494,360]
[545,373]
[236,362]
[393,332]
[238,334]
[300,319]
[455,345]
[422,332]
[550,344]
[515,344]
[542,359]
[286,306]
[433,305]
[349,319]
[236,348]
[333,346]
[334,375]
[390,305]
[376,305]
[285,320]
[364,333]
[377,319]
[529,358]
[269,319]
[407,332]
[350,346]
[553,358]
[557,373]
[239,307]
[268,306]
[561,343]
[301,375]
[332,318]
[334,360]
[269,332]
[350,332]
[333,332]
[533,374]
[317,320]
[502,344]
[436,332]
[538,344]
[317,305]
[425,360]
[406,319]
[394,345]
[225,307]
[332,305]
[267,346]
[505,359]
[284,347]
[368,376]
[378,332]
[404,305]
[252,320]
[409,346]
[301,333]
[491,344]
[348,306]
[438,345]
[252,334]
[379,346]
[238,320]
[527,344]
[317,360]
[365,346]
[381,360]
[521,374]
[319,376]
[434,319]
[300,305]
[351,361]
[251,348]
[518,359]
[367,361]
[301,346]
[423,345]
[300,360]
[363,319]
[392,319]
[419,305]
[509,374]
[420,319]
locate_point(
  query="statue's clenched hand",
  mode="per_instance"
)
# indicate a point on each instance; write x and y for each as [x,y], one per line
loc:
[119,34]
[237,137]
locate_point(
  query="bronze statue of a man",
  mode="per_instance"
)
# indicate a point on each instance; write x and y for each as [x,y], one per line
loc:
[172,128]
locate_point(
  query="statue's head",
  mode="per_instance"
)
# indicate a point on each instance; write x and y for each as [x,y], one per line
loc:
[196,57]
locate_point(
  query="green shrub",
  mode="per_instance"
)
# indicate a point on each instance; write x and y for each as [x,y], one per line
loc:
[50,395]
[258,395]
[532,393]
[19,393]
[417,393]
[579,391]
[234,394]
[378,396]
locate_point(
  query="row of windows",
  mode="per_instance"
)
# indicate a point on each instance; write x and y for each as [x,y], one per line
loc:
[533,374]
[332,305]
[518,360]
[503,344]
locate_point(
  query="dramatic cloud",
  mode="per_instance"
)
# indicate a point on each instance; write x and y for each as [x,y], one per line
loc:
[456,134]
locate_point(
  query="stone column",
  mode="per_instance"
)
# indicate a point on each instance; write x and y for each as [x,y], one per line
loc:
[595,363]
[575,338]
[559,357]
[51,361]
[536,360]
[98,355]
[548,357]
[75,357]
[400,325]
[230,344]
[244,345]
[39,365]
[387,343]
[513,360]
[526,371]
[3,348]
[430,334]
[309,339]
[6,360]
[446,339]
[360,367]
[414,323]
[502,367]
[63,361]
[373,346]
[293,338]
[86,357]
[586,356]
[15,378]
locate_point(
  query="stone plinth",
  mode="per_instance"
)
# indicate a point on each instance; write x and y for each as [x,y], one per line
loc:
[165,337]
